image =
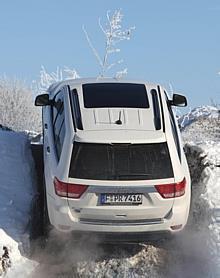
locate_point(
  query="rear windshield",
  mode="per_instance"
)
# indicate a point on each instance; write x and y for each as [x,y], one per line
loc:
[120,161]
[100,95]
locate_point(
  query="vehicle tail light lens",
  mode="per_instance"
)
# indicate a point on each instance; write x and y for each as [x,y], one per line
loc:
[180,188]
[60,188]
[69,190]
[172,190]
[76,190]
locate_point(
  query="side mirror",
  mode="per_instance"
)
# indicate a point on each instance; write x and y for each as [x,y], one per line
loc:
[178,100]
[43,100]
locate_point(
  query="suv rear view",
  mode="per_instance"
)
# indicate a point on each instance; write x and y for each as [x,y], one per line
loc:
[113,158]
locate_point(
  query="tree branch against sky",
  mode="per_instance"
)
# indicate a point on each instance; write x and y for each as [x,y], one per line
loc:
[114,34]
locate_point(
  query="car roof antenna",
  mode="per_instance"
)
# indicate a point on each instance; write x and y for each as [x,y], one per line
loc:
[119,122]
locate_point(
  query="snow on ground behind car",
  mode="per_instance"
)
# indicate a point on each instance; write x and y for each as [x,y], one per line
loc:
[16,193]
[203,137]
[201,112]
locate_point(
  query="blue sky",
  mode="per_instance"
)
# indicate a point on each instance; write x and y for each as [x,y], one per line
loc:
[175,42]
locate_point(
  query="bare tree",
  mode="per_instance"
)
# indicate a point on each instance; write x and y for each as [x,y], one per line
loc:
[17,110]
[114,34]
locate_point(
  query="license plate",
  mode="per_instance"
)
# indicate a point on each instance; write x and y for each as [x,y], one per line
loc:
[121,199]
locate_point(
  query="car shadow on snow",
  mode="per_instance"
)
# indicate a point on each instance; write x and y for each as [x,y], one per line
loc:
[36,223]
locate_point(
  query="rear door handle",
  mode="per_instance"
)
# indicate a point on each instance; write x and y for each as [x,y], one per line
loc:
[48,149]
[45,126]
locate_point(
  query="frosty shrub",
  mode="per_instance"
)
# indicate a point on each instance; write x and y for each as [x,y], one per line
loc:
[17,110]
[46,79]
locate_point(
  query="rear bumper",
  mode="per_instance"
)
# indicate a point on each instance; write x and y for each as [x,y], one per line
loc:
[63,221]
[112,238]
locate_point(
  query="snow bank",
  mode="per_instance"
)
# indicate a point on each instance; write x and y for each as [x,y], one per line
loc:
[197,113]
[21,266]
[16,193]
[202,138]
[194,253]
[208,200]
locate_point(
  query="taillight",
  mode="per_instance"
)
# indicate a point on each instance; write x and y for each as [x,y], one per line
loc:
[69,190]
[60,187]
[172,190]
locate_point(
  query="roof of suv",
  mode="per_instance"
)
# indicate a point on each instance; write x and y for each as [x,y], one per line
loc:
[79,81]
[132,121]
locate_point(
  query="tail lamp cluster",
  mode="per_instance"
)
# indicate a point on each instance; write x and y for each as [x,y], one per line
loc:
[75,191]
[172,190]
[69,190]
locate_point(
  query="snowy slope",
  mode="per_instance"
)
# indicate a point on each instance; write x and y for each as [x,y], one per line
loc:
[201,112]
[202,135]
[16,192]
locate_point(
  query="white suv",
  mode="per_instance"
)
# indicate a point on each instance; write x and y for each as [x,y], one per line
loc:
[113,158]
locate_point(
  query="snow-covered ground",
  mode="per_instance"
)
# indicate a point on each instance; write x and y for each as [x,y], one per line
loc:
[201,112]
[195,253]
[16,193]
[202,136]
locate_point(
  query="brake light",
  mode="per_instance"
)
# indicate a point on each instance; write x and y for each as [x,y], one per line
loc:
[69,190]
[172,190]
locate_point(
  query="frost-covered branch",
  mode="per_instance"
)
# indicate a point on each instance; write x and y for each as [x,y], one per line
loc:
[114,34]
[121,74]
[46,79]
[95,52]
